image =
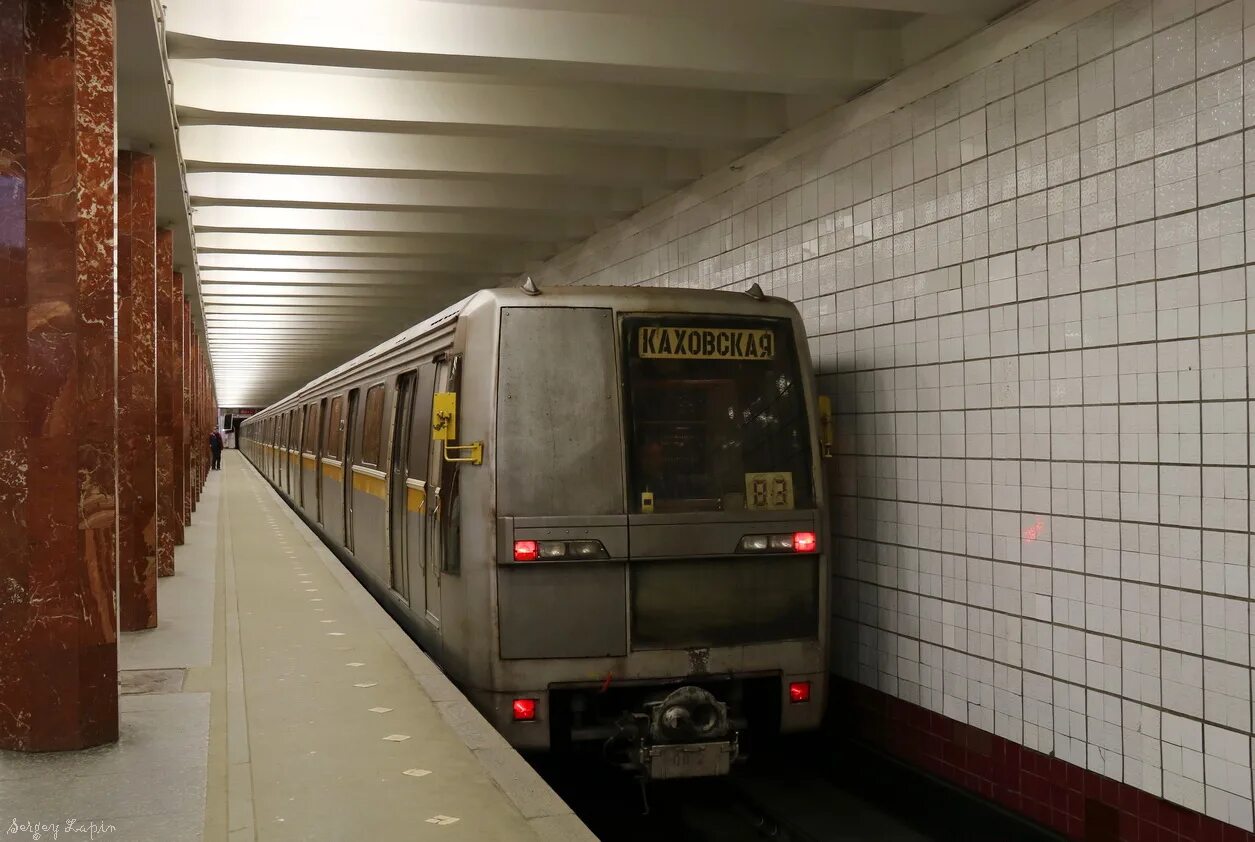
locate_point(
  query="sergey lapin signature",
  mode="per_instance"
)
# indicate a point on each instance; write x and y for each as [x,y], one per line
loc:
[35,830]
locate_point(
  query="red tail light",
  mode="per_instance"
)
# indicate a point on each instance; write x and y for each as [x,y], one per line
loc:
[525,551]
[799,691]
[524,710]
[804,542]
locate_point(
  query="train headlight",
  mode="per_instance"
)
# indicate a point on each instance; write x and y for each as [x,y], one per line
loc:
[586,549]
[553,549]
[754,543]
[558,550]
[796,542]
[780,542]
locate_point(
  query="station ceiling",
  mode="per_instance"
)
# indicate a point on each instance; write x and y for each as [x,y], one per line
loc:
[352,168]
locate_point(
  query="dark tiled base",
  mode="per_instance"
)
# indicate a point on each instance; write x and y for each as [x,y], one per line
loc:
[1060,796]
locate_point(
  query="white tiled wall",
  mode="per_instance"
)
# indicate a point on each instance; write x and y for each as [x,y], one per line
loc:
[1028,293]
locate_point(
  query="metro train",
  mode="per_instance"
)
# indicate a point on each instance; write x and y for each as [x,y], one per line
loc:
[599,509]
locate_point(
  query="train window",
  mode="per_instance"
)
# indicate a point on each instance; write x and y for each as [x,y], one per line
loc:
[372,426]
[716,415]
[452,562]
[311,429]
[294,432]
[333,436]
[420,422]
[559,446]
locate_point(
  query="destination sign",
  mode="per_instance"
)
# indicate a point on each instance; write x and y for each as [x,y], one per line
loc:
[705,343]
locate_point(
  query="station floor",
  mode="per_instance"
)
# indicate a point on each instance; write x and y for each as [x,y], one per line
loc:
[277,701]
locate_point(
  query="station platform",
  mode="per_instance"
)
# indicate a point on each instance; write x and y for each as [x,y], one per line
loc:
[277,701]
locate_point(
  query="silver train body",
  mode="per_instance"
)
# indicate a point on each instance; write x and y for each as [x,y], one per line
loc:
[599,509]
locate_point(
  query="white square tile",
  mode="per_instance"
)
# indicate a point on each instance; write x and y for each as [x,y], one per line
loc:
[1031,291]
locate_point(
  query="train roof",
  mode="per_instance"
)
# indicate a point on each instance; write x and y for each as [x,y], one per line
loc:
[659,298]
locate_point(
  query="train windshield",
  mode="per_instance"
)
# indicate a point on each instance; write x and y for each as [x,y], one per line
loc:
[716,415]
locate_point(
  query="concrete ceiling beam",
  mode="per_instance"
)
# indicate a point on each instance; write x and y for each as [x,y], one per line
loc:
[356,192]
[363,244]
[544,44]
[245,279]
[336,221]
[262,94]
[314,300]
[349,291]
[450,262]
[976,9]
[313,151]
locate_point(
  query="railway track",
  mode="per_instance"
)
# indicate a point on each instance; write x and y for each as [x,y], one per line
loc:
[770,802]
[795,794]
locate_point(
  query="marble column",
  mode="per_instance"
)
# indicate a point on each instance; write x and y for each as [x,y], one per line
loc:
[209,419]
[137,392]
[177,445]
[165,405]
[58,638]
[207,423]
[189,409]
[198,442]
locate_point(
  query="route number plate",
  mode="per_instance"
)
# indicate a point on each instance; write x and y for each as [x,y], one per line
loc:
[690,760]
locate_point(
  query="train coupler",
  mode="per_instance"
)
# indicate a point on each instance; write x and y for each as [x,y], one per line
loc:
[687,735]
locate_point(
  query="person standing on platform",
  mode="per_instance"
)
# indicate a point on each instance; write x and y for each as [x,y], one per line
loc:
[215,449]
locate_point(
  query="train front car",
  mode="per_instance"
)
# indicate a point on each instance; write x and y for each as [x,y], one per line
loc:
[662,575]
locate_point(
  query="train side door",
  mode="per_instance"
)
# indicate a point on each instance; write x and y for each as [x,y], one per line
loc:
[294,432]
[331,484]
[350,456]
[397,491]
[436,492]
[416,490]
[318,456]
[309,460]
[298,458]
[286,453]
[281,425]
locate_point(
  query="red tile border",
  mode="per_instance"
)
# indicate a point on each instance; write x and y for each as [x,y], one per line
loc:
[1047,790]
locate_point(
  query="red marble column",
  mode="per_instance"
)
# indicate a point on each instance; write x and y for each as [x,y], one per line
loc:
[189,412]
[165,405]
[197,441]
[203,438]
[137,392]
[198,438]
[177,445]
[207,421]
[207,417]
[58,639]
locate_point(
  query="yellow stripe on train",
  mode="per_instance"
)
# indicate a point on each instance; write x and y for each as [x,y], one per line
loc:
[374,486]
